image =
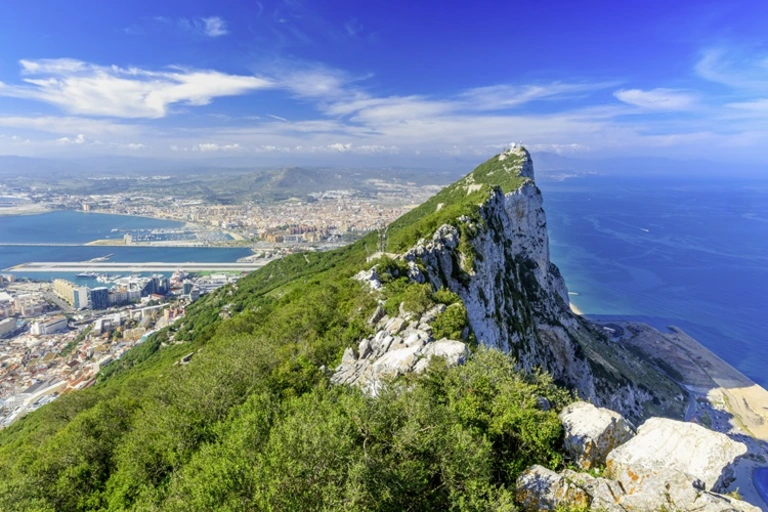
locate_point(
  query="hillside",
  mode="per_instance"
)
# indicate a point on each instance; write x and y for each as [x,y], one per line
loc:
[254,422]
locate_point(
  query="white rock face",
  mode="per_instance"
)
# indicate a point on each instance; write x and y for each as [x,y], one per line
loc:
[516,299]
[396,349]
[370,277]
[591,433]
[674,446]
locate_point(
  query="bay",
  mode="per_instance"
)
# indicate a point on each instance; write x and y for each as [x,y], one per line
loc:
[70,227]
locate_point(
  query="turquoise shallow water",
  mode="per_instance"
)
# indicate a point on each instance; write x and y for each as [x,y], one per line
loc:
[672,251]
[75,227]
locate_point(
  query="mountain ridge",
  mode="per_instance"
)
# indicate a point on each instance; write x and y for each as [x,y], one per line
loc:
[254,412]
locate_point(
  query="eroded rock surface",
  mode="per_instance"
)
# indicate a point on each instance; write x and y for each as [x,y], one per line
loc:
[592,432]
[668,465]
[671,445]
[400,346]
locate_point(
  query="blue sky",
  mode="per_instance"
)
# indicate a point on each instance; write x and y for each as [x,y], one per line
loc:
[335,81]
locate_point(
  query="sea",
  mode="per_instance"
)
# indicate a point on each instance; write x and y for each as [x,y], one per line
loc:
[689,252]
[33,232]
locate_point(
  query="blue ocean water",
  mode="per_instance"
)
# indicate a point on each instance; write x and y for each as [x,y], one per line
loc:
[686,252]
[78,228]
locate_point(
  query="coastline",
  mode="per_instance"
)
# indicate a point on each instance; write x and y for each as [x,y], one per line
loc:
[721,398]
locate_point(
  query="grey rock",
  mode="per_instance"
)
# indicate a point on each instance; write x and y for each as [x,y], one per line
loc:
[414,274]
[539,488]
[591,433]
[377,315]
[383,356]
[604,494]
[369,277]
[543,404]
[677,446]
[395,325]
[364,349]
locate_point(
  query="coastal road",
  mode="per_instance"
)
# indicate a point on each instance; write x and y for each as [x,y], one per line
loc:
[112,267]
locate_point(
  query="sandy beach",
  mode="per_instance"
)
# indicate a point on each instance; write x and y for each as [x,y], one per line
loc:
[575,309]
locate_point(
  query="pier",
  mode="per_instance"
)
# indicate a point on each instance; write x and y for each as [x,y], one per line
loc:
[112,267]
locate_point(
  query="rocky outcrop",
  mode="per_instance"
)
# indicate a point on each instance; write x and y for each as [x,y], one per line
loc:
[517,301]
[663,446]
[668,465]
[591,433]
[539,488]
[401,345]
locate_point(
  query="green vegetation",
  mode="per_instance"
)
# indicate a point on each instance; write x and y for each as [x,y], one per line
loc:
[462,199]
[252,422]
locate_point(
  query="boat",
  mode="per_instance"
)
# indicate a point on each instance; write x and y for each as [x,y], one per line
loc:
[89,275]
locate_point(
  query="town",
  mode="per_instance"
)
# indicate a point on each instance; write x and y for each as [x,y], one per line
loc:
[56,337]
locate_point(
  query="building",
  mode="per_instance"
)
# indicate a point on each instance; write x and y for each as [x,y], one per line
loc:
[65,289]
[99,298]
[29,305]
[7,326]
[82,297]
[6,305]
[49,326]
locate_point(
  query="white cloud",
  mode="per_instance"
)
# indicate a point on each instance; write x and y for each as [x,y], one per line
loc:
[341,148]
[79,139]
[133,145]
[215,27]
[657,99]
[209,146]
[82,88]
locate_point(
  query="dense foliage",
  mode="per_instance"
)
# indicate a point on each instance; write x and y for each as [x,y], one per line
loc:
[252,422]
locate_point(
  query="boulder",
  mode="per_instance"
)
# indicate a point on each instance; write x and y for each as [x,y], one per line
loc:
[592,432]
[539,488]
[370,277]
[604,494]
[665,449]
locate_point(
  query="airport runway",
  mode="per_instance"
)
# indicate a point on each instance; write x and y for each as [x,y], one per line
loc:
[107,267]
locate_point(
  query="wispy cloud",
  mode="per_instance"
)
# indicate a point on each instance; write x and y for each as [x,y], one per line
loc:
[501,96]
[212,26]
[88,89]
[657,99]
[736,68]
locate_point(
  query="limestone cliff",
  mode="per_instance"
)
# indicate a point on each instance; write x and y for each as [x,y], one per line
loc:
[495,256]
